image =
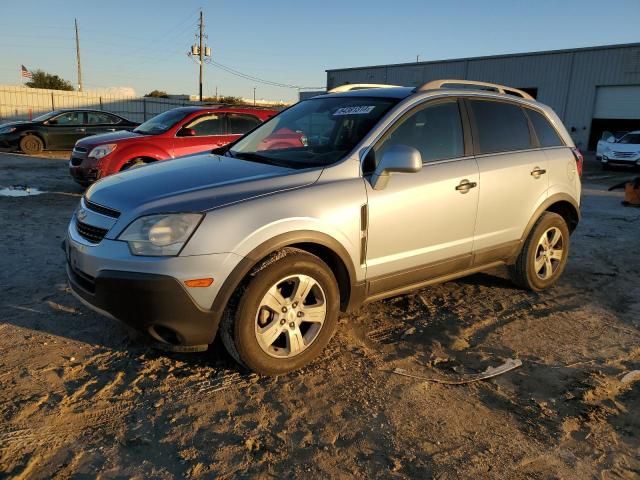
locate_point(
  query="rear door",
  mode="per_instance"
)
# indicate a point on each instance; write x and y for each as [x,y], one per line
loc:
[210,132]
[238,124]
[421,224]
[100,122]
[514,176]
[65,130]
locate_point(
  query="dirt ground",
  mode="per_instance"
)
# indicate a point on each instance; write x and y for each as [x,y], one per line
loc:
[80,398]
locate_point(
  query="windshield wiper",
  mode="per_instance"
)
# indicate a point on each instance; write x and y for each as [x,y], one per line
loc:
[256,157]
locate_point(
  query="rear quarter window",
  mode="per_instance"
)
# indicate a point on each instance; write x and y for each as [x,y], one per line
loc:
[547,135]
[499,127]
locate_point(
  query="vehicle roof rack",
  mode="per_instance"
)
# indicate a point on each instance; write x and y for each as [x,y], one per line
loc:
[359,86]
[437,84]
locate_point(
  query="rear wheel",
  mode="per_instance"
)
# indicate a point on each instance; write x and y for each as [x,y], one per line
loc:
[284,316]
[31,144]
[544,255]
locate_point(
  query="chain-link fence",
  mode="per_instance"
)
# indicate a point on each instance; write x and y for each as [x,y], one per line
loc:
[24,103]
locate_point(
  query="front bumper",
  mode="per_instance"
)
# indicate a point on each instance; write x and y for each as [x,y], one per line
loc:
[148,293]
[84,169]
[613,160]
[10,140]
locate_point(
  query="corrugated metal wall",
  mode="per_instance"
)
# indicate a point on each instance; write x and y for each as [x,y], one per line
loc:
[566,80]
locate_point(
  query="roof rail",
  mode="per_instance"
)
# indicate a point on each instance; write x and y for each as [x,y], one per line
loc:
[359,86]
[436,84]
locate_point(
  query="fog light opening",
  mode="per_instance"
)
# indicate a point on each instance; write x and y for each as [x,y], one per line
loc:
[165,334]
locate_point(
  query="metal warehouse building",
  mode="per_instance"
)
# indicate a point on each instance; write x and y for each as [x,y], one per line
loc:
[592,89]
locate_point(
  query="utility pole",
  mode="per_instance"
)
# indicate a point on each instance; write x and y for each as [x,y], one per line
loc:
[417,58]
[201,51]
[254,96]
[78,57]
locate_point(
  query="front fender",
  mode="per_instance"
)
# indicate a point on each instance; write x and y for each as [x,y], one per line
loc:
[128,153]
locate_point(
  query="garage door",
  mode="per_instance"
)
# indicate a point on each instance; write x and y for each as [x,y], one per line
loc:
[620,102]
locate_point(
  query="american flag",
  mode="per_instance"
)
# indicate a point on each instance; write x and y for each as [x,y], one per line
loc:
[25,73]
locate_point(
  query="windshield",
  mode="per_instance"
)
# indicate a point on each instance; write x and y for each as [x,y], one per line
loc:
[315,132]
[161,123]
[46,116]
[631,138]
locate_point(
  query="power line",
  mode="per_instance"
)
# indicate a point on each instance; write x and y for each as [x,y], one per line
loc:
[260,80]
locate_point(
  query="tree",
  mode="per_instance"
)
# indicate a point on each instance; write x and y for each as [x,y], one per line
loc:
[157,94]
[42,79]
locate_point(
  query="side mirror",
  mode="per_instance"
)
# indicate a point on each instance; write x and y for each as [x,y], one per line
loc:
[186,132]
[611,139]
[396,159]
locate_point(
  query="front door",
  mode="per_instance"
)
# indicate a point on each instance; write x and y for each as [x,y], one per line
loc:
[210,133]
[421,224]
[65,130]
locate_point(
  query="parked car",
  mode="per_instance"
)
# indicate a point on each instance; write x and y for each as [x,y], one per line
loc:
[59,130]
[623,150]
[174,133]
[395,189]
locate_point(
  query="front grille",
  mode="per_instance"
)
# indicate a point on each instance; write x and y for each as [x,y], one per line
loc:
[89,232]
[624,154]
[109,212]
[80,149]
[76,161]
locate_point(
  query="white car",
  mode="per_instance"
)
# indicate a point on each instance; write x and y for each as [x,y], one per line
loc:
[619,151]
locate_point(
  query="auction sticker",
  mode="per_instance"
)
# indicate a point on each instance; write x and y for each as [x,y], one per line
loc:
[362,110]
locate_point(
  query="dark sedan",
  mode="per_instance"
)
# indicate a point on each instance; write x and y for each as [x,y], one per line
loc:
[59,130]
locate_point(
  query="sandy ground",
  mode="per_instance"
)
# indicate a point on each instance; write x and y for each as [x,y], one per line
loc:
[80,398]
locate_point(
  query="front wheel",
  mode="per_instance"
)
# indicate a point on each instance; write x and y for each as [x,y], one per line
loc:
[31,144]
[284,316]
[544,255]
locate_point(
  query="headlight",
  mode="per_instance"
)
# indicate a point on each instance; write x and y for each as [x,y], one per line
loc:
[7,129]
[102,150]
[160,235]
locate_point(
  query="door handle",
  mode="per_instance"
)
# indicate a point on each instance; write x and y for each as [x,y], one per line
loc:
[536,172]
[82,130]
[465,185]
[111,129]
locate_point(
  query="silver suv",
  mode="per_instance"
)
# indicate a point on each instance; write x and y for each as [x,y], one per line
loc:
[387,190]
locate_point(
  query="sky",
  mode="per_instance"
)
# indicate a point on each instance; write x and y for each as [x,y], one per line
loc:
[143,44]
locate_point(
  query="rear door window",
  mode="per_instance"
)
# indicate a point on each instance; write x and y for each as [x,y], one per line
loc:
[239,123]
[499,127]
[96,118]
[547,135]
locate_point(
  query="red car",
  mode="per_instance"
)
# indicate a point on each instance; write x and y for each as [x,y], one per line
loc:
[175,133]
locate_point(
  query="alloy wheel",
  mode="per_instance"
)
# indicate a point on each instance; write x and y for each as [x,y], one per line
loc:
[290,316]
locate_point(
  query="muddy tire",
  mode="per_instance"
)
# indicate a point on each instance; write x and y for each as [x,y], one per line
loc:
[544,255]
[284,315]
[135,163]
[31,144]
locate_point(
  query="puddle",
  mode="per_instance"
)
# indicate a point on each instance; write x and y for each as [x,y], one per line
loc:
[19,191]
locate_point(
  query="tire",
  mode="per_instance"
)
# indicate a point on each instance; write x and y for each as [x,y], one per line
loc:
[135,163]
[31,144]
[541,262]
[266,330]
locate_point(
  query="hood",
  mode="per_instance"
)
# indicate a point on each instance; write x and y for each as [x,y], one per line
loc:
[110,137]
[194,184]
[15,124]
[623,147]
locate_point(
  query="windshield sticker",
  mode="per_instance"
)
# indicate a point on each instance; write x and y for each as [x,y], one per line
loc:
[363,110]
